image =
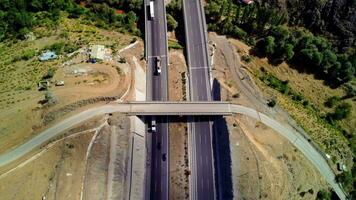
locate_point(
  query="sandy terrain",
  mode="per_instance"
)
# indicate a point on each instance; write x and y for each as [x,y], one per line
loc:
[264,164]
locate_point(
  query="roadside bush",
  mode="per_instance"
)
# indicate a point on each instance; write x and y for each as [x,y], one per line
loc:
[56,47]
[323,195]
[49,74]
[345,179]
[172,24]
[271,103]
[332,101]
[174,45]
[70,47]
[246,58]
[342,111]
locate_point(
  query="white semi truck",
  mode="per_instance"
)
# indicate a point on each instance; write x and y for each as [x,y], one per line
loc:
[152,10]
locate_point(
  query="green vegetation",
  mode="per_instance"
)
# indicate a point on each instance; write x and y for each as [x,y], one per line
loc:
[172,24]
[62,47]
[323,195]
[278,42]
[332,101]
[17,18]
[341,111]
[28,54]
[174,45]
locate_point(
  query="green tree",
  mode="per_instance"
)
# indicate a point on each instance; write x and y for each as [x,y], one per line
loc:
[323,195]
[342,111]
[288,51]
[269,45]
[172,24]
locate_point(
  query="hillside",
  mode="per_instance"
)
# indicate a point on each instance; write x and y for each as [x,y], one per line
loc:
[335,18]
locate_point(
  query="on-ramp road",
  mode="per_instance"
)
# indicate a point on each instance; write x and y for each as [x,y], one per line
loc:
[294,137]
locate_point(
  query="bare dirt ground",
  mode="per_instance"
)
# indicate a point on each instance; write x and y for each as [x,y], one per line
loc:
[21,106]
[264,164]
[54,172]
[60,167]
[179,181]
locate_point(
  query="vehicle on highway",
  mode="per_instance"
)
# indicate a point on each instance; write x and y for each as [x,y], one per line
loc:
[164,157]
[159,145]
[153,125]
[152,10]
[158,65]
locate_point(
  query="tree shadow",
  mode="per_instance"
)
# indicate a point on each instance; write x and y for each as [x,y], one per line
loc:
[222,153]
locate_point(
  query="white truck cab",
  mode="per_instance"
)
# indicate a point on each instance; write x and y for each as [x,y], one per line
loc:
[152,10]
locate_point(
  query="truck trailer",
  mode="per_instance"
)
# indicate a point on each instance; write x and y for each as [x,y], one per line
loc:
[152,10]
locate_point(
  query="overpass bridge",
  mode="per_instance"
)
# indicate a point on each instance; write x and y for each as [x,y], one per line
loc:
[179,108]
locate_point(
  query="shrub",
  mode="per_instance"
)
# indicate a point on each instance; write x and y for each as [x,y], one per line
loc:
[342,111]
[172,24]
[323,195]
[50,73]
[332,101]
[174,45]
[28,54]
[271,103]
[246,58]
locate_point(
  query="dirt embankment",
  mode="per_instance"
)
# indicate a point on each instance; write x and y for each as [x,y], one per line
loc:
[263,164]
[106,169]
[178,139]
[55,171]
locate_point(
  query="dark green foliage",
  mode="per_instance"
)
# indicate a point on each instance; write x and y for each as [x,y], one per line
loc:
[56,47]
[18,17]
[346,179]
[246,58]
[342,111]
[278,42]
[323,195]
[275,83]
[332,101]
[172,24]
[49,74]
[272,103]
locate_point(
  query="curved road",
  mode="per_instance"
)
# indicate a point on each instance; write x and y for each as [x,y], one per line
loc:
[292,135]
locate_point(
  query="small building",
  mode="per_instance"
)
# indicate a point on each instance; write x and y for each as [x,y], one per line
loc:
[97,52]
[48,55]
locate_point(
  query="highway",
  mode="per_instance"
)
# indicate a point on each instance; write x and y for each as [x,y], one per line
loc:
[186,108]
[157,173]
[202,184]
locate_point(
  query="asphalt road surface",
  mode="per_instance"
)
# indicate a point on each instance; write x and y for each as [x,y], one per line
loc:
[292,135]
[200,132]
[157,182]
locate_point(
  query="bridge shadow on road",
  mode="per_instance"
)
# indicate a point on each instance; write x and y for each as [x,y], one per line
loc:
[222,154]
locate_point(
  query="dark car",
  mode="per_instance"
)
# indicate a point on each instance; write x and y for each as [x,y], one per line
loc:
[159,146]
[164,157]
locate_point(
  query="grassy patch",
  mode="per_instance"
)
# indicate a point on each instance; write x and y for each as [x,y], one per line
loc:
[174,45]
[326,135]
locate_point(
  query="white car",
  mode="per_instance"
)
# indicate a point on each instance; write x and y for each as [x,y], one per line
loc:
[153,125]
[158,65]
